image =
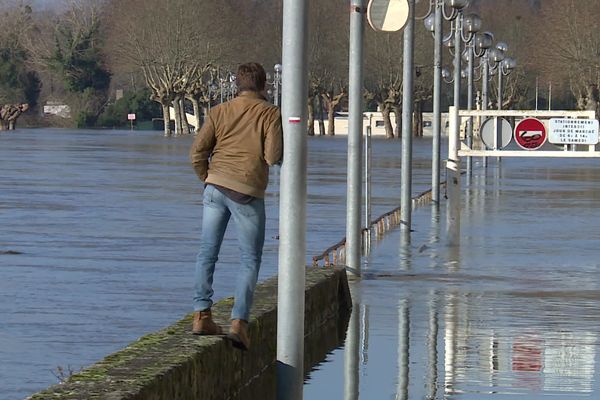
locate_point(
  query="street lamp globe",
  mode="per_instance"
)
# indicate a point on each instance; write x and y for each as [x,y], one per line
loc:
[277,68]
[457,4]
[446,73]
[502,46]
[483,40]
[466,55]
[509,64]
[449,42]
[472,23]
[429,22]
[464,73]
[496,55]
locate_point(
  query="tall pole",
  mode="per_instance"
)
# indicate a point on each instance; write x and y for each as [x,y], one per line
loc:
[407,119]
[437,113]
[470,103]
[368,167]
[500,94]
[484,91]
[292,214]
[453,164]
[355,127]
[537,92]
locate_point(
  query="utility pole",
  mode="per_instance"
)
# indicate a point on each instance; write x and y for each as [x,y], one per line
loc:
[292,214]
[355,127]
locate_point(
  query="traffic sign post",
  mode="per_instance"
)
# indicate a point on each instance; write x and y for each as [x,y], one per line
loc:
[131,118]
[530,134]
[496,137]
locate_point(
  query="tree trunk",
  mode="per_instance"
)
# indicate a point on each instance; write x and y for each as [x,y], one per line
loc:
[320,114]
[398,126]
[9,114]
[311,116]
[330,120]
[197,113]
[418,119]
[185,126]
[177,112]
[389,130]
[166,119]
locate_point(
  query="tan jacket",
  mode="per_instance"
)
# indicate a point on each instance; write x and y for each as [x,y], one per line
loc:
[238,142]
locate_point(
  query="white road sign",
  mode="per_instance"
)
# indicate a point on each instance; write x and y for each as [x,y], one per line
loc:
[573,131]
[388,15]
[488,133]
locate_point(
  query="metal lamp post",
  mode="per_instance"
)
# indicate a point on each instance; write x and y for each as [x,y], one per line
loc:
[504,69]
[433,23]
[471,24]
[476,47]
[275,82]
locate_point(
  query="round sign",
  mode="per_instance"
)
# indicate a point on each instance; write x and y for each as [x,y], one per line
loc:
[388,15]
[530,134]
[487,131]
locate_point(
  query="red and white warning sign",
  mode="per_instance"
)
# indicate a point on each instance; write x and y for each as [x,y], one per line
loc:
[530,134]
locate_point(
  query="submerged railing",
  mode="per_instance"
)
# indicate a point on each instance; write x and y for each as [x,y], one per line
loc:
[336,254]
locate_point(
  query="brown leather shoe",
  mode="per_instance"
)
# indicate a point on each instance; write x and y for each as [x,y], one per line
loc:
[204,325]
[238,334]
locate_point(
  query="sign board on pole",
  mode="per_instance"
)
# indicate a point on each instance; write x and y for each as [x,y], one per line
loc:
[131,117]
[530,134]
[573,131]
[388,15]
[488,133]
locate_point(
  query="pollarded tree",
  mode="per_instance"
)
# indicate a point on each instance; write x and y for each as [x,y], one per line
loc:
[383,74]
[173,44]
[328,61]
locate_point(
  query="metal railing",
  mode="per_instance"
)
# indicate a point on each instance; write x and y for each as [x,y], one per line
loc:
[336,254]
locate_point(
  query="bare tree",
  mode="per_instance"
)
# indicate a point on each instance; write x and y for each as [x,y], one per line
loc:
[173,44]
[575,44]
[383,78]
[328,67]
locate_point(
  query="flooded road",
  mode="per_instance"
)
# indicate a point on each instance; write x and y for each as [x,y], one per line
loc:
[511,313]
[105,225]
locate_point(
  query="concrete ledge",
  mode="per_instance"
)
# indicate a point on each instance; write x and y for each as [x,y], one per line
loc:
[173,364]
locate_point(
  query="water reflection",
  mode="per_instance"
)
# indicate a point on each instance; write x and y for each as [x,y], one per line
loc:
[510,312]
[468,349]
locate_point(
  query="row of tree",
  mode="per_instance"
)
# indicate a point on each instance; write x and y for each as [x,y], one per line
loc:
[181,50]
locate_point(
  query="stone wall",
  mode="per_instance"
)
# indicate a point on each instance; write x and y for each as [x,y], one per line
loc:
[173,364]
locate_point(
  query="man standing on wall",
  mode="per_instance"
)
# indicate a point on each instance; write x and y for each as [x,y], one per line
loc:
[232,153]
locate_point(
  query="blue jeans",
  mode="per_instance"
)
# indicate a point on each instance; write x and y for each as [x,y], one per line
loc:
[250,225]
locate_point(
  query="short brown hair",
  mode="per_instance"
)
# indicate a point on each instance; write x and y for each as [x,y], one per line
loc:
[251,76]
